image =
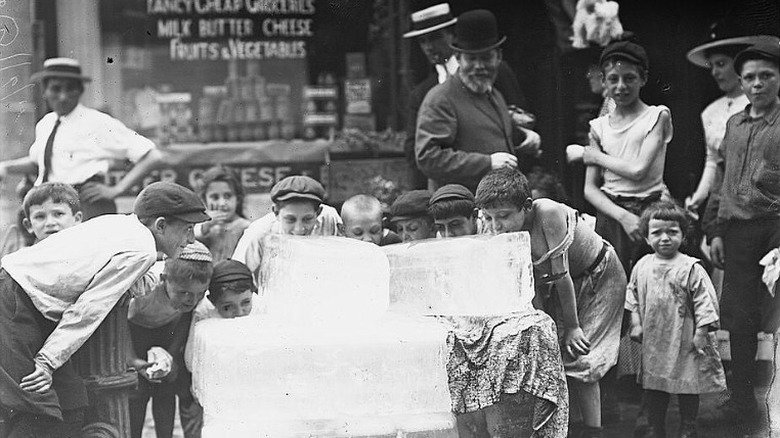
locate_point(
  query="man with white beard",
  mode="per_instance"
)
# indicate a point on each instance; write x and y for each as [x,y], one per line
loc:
[464,127]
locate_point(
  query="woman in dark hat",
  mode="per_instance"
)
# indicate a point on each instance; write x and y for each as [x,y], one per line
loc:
[717,54]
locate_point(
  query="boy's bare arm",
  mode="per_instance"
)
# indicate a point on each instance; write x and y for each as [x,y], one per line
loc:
[633,169]
[17,166]
[597,198]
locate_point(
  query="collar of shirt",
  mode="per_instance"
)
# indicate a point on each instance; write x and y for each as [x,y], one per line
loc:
[769,117]
[447,69]
[73,114]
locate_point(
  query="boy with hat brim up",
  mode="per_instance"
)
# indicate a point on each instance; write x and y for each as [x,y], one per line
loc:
[298,210]
[464,127]
[409,216]
[748,221]
[76,145]
[56,293]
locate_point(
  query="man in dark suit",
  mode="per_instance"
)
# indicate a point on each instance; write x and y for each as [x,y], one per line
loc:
[432,29]
[464,125]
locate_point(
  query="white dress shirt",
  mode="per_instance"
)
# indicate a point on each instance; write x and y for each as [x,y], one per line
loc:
[86,143]
[76,276]
[714,119]
[445,70]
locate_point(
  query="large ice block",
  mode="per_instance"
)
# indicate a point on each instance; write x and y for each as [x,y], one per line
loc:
[324,280]
[255,378]
[474,275]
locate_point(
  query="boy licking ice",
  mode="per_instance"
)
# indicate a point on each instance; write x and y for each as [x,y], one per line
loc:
[409,216]
[362,216]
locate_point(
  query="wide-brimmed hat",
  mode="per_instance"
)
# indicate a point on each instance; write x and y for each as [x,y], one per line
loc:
[727,36]
[60,68]
[430,20]
[476,31]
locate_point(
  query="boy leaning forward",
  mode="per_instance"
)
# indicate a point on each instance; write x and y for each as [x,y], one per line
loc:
[54,295]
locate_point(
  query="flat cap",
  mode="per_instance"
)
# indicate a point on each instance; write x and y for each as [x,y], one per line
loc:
[450,192]
[164,198]
[229,270]
[769,50]
[410,205]
[297,186]
[628,50]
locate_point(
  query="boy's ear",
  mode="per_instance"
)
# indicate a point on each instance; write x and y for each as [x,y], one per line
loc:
[528,204]
[78,217]
[475,214]
[275,209]
[319,209]
[27,225]
[160,224]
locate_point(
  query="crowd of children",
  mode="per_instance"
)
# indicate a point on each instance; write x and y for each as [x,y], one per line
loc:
[55,293]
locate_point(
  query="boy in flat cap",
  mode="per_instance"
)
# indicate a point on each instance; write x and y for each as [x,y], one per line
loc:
[56,293]
[454,212]
[298,210]
[748,220]
[409,216]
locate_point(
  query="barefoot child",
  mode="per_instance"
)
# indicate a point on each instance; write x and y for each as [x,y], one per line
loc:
[674,314]
[585,276]
[362,216]
[56,293]
[409,216]
[159,325]
[224,198]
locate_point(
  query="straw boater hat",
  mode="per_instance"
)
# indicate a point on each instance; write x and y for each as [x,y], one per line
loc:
[60,68]
[727,36]
[476,32]
[431,19]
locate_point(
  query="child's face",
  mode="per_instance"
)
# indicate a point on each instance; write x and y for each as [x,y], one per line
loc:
[665,237]
[171,236]
[623,81]
[185,294]
[760,81]
[365,226]
[455,226]
[297,218]
[49,218]
[413,229]
[234,305]
[505,218]
[221,197]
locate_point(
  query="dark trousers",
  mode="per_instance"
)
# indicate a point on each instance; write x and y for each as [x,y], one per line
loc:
[23,330]
[746,306]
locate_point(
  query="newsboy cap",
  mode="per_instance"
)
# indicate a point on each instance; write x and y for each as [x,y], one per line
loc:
[451,192]
[768,50]
[164,198]
[229,270]
[297,186]
[410,205]
[628,50]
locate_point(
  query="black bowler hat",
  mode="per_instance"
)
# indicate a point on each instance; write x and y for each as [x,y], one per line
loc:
[60,68]
[476,31]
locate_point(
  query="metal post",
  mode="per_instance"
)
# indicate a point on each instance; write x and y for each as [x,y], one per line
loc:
[102,362]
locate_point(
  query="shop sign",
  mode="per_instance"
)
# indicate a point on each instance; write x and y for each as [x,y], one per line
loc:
[220,30]
[255,178]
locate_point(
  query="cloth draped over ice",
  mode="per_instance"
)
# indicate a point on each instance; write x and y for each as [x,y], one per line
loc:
[346,343]
[481,288]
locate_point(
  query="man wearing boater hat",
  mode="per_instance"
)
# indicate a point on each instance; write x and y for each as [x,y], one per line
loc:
[76,145]
[464,127]
[432,28]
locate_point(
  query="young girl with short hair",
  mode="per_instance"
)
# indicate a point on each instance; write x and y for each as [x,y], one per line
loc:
[674,314]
